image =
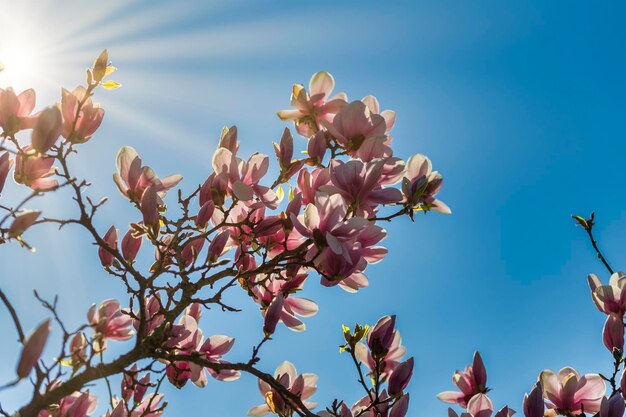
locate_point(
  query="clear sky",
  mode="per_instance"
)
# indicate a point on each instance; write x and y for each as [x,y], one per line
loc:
[521,106]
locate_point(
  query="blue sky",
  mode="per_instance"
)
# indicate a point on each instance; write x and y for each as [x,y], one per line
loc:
[520,105]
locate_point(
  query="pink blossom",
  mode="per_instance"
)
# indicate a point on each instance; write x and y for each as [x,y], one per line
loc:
[15,110]
[109,322]
[149,407]
[132,179]
[77,404]
[212,350]
[609,298]
[79,129]
[400,377]
[374,107]
[34,170]
[359,132]
[358,184]
[33,347]
[78,350]
[401,407]
[314,107]
[612,407]
[303,385]
[421,184]
[479,405]
[568,391]
[153,317]
[471,381]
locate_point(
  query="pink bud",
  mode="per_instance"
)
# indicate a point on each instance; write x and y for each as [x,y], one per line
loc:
[217,245]
[533,402]
[191,250]
[150,209]
[33,347]
[272,314]
[129,382]
[480,373]
[317,148]
[284,150]
[195,311]
[5,166]
[110,238]
[400,377]
[119,410]
[205,213]
[141,387]
[130,246]
[612,407]
[613,333]
[47,129]
[401,407]
[23,222]
[178,373]
[78,349]
[380,338]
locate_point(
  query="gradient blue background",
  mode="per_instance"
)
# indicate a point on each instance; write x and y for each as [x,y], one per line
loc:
[521,106]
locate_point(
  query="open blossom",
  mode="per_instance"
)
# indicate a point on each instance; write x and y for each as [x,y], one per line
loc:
[359,185]
[149,407]
[132,178]
[15,110]
[79,129]
[570,392]
[609,298]
[470,381]
[108,322]
[359,132]
[342,248]
[303,385]
[479,405]
[421,184]
[374,107]
[315,106]
[34,170]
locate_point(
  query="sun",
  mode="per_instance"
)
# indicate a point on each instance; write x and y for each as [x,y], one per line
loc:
[19,65]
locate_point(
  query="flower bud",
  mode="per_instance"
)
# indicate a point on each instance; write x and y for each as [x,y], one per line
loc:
[381,336]
[110,238]
[317,148]
[613,334]
[401,407]
[130,246]
[205,213]
[400,377]
[284,150]
[78,350]
[5,166]
[533,402]
[150,209]
[217,245]
[612,407]
[47,129]
[33,347]
[272,314]
[23,222]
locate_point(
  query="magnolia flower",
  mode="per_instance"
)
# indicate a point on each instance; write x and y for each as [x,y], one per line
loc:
[359,132]
[312,108]
[303,385]
[149,407]
[34,170]
[79,129]
[609,298]
[212,350]
[130,245]
[570,392]
[15,110]
[134,387]
[132,178]
[78,350]
[471,381]
[33,347]
[613,333]
[421,184]
[374,107]
[358,184]
[108,322]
